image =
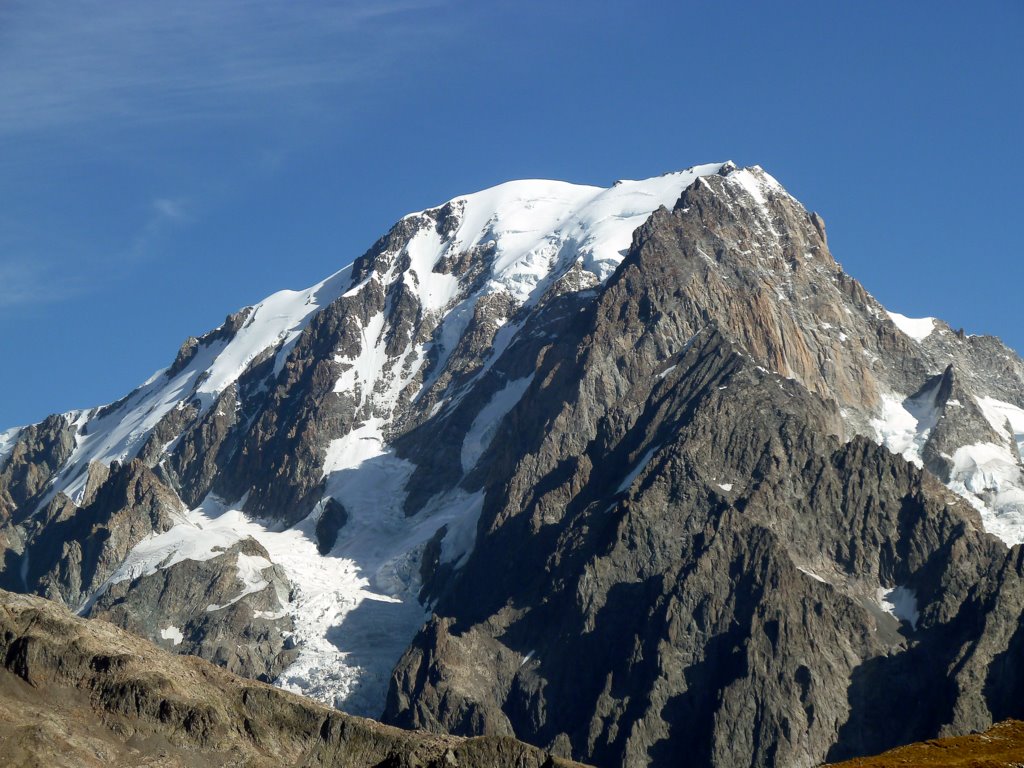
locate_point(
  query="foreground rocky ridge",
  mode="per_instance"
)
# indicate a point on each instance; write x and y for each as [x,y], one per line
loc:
[1001,746]
[669,480]
[76,692]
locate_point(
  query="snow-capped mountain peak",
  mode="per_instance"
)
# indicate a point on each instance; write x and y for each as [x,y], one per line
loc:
[328,459]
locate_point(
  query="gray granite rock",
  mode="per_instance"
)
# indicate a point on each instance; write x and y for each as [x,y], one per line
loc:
[203,608]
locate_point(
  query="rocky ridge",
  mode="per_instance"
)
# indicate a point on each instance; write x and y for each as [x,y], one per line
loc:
[1001,746]
[76,692]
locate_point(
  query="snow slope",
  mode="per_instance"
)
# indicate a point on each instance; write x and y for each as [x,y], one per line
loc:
[118,432]
[917,328]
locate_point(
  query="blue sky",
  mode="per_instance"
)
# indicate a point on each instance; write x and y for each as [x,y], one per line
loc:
[164,164]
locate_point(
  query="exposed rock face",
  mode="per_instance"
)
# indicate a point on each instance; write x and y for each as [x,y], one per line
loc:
[70,550]
[39,450]
[669,480]
[82,693]
[199,607]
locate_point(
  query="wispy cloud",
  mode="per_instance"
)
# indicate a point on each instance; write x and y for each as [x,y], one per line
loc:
[33,282]
[170,208]
[94,62]
[59,266]
[99,94]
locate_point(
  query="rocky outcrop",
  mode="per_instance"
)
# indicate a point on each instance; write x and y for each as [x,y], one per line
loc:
[76,692]
[70,550]
[40,450]
[230,609]
[727,605]
[191,345]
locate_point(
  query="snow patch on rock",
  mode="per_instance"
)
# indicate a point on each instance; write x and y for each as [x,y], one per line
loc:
[640,466]
[899,602]
[173,634]
[903,425]
[917,328]
[8,439]
[812,574]
[250,572]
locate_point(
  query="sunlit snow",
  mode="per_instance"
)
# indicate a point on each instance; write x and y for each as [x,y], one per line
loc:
[988,475]
[812,574]
[917,328]
[903,425]
[173,634]
[120,433]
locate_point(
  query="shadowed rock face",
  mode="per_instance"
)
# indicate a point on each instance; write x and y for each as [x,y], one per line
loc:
[681,536]
[76,692]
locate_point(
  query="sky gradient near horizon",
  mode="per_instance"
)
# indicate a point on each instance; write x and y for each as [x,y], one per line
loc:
[164,165]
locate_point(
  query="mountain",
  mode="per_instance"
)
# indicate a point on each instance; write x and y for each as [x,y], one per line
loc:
[77,693]
[627,473]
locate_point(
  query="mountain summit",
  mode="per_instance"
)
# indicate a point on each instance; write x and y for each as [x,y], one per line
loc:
[623,472]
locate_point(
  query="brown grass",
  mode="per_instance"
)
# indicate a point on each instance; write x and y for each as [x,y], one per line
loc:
[1002,746]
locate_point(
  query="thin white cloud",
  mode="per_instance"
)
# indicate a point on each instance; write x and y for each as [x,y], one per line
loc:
[170,208]
[72,269]
[94,78]
[71,64]
[32,281]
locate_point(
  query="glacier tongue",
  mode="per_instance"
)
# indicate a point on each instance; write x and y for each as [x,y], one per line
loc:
[991,476]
